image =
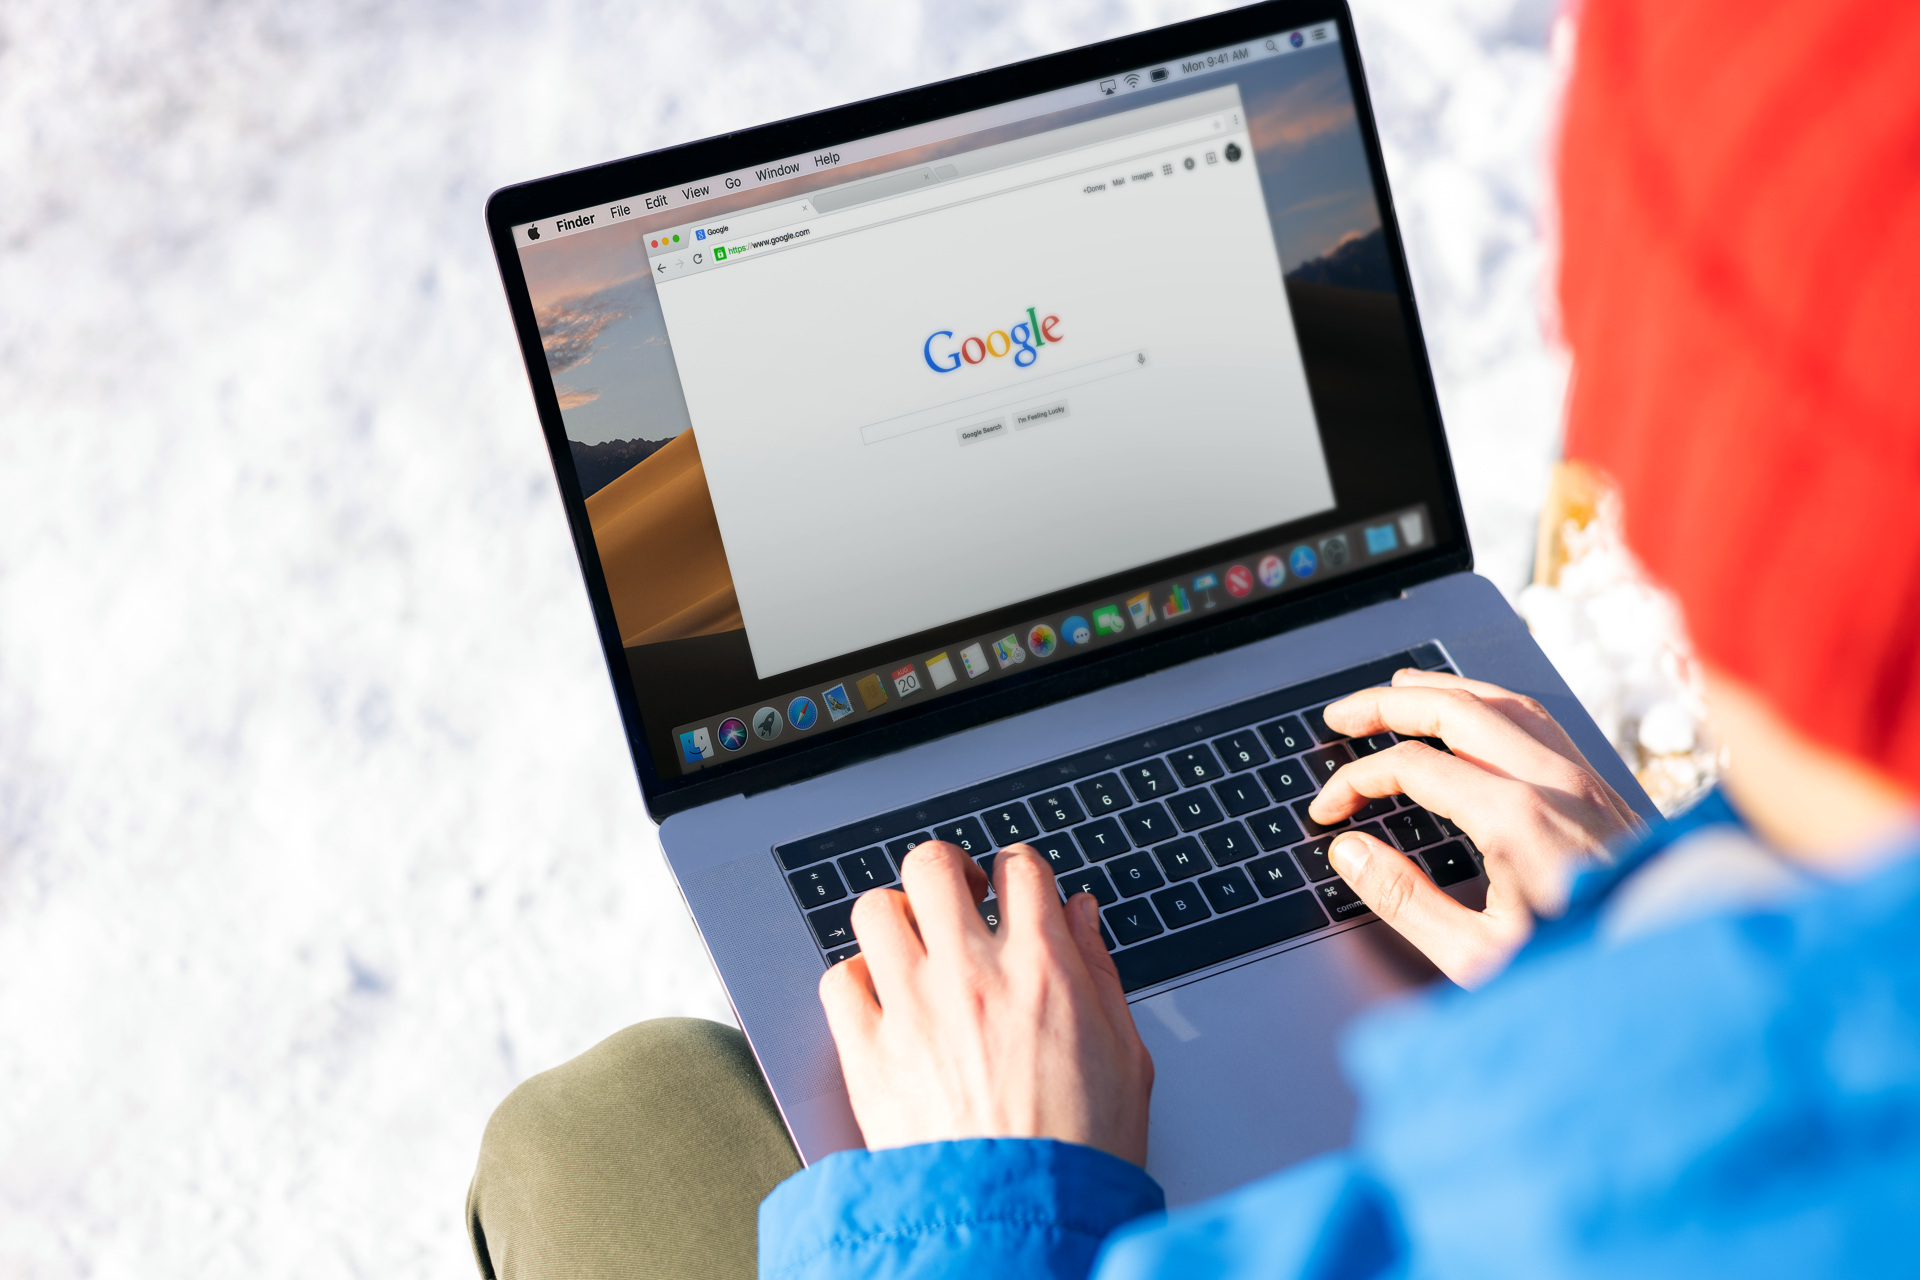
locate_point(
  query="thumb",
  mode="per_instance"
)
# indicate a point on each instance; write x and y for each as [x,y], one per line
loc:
[1458,940]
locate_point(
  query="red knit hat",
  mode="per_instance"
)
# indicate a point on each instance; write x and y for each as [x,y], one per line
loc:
[1740,284]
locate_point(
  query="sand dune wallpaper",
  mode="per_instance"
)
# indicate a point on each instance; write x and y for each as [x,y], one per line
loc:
[660,549]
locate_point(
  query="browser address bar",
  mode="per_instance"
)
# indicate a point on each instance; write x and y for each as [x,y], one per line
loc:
[942,192]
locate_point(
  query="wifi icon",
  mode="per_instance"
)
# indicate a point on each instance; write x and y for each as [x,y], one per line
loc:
[1133,79]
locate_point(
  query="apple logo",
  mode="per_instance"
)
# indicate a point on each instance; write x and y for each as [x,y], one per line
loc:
[533,233]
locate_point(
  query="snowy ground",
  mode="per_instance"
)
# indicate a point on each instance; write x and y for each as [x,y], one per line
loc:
[316,826]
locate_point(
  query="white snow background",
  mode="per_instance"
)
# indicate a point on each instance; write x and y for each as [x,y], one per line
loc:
[317,827]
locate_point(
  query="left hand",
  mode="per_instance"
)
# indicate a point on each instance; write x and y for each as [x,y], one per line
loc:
[949,1030]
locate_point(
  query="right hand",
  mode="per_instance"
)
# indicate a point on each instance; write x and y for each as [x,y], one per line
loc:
[1515,783]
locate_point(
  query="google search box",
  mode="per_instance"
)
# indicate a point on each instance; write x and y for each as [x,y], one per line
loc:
[954,412]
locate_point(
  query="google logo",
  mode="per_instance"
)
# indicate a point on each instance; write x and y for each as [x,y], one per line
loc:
[1023,340]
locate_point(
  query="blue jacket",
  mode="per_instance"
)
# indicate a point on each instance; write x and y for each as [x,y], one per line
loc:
[1738,1095]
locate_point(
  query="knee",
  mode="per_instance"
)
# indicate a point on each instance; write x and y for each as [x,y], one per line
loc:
[625,1132]
[617,1087]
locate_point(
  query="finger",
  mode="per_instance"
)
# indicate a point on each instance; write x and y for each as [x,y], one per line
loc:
[890,945]
[852,1008]
[1443,784]
[1083,925]
[944,886]
[1524,711]
[1457,717]
[1473,731]
[1030,899]
[1456,939]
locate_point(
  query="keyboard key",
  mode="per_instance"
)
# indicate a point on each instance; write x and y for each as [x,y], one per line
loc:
[1240,795]
[1221,938]
[1311,827]
[1379,807]
[1135,873]
[844,953]
[1241,750]
[1196,809]
[1149,824]
[868,869]
[1059,850]
[1285,737]
[1326,762]
[1149,779]
[1228,890]
[1316,722]
[816,885]
[899,849]
[1133,923]
[1341,902]
[1313,856]
[1229,844]
[1412,829]
[1181,859]
[833,925]
[1314,861]
[967,834]
[990,912]
[1101,839]
[1058,809]
[1195,764]
[1106,936]
[1090,880]
[1373,742]
[986,863]
[1103,794]
[1276,829]
[1365,813]
[1450,863]
[1181,905]
[1275,874]
[1428,656]
[1010,824]
[1287,779]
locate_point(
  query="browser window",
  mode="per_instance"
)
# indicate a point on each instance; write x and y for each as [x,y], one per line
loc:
[901,417]
[1041,355]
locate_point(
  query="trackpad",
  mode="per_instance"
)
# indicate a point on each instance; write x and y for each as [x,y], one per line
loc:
[1246,1079]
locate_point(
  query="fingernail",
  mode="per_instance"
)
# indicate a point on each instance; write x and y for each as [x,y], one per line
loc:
[1349,855]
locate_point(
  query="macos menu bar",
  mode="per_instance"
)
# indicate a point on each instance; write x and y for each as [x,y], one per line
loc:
[654,204]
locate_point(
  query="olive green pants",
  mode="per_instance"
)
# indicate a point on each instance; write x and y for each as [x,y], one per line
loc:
[646,1156]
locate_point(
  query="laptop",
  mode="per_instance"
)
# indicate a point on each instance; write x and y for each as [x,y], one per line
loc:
[1026,457]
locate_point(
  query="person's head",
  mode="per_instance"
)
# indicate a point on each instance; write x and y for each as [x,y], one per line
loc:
[1740,287]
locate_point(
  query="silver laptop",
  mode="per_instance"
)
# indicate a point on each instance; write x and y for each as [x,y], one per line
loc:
[1028,457]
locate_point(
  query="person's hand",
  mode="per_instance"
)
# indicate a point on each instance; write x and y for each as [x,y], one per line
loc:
[947,1029]
[1515,783]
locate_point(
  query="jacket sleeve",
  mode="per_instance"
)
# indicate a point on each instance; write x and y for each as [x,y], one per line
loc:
[1326,1219]
[983,1207]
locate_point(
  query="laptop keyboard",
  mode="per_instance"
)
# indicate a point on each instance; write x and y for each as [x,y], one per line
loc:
[1194,837]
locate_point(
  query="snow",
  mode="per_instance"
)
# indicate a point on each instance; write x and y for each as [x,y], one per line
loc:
[317,828]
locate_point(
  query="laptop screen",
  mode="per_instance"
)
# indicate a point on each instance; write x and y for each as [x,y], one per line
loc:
[873,426]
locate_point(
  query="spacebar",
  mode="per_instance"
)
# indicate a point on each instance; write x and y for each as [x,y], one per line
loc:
[1219,939]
